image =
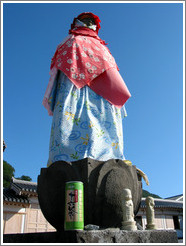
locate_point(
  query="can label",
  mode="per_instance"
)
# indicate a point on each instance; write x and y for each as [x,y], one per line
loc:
[74,207]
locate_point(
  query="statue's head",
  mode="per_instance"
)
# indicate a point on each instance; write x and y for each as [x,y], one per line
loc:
[127,194]
[88,19]
[150,201]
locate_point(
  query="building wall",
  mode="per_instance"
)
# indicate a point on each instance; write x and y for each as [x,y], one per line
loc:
[24,218]
[35,220]
[13,218]
[164,219]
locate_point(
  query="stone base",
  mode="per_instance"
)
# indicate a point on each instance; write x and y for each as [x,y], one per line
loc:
[129,225]
[151,227]
[99,236]
[103,182]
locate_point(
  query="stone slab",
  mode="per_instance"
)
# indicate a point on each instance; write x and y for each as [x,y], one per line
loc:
[98,236]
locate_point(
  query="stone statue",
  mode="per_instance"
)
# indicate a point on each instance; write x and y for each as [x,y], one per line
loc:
[87,119]
[128,211]
[86,140]
[150,213]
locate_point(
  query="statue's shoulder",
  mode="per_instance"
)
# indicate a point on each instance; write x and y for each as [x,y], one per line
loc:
[70,37]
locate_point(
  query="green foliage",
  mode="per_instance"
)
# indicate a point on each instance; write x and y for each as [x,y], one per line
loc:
[8,173]
[146,193]
[26,178]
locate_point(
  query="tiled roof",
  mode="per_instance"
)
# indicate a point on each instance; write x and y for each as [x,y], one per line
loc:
[10,196]
[21,186]
[177,198]
[164,203]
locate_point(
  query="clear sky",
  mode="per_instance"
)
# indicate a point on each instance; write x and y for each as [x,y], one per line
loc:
[146,40]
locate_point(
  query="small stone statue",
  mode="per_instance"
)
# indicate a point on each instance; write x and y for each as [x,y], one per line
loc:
[128,212]
[150,213]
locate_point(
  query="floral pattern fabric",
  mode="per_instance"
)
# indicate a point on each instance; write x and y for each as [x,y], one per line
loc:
[84,124]
[82,59]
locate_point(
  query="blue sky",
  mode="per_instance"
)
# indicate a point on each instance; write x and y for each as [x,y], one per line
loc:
[146,40]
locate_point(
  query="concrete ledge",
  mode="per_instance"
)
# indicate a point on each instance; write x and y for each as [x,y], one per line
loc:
[99,236]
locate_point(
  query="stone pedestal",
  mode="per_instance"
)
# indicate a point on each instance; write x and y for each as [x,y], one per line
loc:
[150,227]
[100,236]
[103,186]
[129,225]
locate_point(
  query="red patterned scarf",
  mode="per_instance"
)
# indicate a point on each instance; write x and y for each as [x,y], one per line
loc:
[85,60]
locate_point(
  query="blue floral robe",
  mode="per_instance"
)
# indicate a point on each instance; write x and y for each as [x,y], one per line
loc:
[84,124]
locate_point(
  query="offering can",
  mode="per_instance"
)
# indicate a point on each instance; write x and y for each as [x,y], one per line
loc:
[74,205]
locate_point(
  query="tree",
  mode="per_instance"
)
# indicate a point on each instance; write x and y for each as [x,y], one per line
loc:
[8,173]
[146,193]
[26,178]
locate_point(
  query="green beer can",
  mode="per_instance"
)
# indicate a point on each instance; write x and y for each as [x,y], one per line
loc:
[74,205]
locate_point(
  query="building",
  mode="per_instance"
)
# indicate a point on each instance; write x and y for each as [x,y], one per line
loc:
[168,214]
[22,214]
[176,198]
[21,211]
